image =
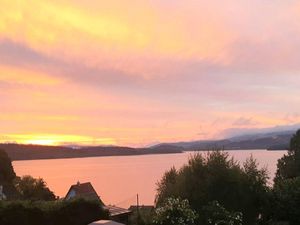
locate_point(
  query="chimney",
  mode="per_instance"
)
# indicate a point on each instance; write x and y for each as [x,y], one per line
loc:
[78,183]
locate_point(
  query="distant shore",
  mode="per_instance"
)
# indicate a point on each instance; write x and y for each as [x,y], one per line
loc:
[35,152]
[19,152]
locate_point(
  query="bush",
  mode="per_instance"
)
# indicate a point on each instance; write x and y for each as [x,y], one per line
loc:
[75,212]
[175,212]
[215,214]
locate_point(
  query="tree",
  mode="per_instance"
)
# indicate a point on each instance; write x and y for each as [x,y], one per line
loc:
[286,201]
[217,177]
[175,212]
[289,165]
[7,173]
[30,188]
[256,191]
[166,187]
[286,191]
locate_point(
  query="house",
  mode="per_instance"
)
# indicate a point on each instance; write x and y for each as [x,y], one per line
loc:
[86,191]
[83,190]
[106,222]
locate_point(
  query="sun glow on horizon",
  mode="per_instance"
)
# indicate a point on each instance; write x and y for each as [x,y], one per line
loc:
[56,140]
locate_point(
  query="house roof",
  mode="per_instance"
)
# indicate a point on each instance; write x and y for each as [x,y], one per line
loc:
[116,211]
[84,190]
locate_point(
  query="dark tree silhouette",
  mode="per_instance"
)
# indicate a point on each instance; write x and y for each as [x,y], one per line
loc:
[7,176]
[289,165]
[217,177]
[7,173]
[33,189]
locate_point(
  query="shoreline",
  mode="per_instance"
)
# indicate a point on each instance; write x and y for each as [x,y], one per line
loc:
[141,154]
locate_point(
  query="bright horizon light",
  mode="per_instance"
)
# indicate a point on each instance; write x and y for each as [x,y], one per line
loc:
[56,140]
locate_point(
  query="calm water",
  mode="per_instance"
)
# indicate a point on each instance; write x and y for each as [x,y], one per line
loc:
[118,179]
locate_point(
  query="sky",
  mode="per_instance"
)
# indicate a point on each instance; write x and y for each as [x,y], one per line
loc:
[140,72]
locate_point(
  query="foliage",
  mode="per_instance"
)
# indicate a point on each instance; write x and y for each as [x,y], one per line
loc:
[25,188]
[216,177]
[143,216]
[216,214]
[289,165]
[30,188]
[7,174]
[286,201]
[167,186]
[175,211]
[76,212]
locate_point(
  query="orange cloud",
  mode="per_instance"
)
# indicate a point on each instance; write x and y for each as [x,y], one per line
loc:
[113,38]
[13,75]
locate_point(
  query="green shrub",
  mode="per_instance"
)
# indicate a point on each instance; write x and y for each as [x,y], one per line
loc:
[175,212]
[75,212]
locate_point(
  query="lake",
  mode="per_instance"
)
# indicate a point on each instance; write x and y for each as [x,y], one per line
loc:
[118,179]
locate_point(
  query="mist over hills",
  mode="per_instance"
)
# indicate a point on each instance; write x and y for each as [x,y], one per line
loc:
[278,140]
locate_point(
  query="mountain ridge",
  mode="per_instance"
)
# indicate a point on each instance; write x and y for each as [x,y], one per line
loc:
[278,140]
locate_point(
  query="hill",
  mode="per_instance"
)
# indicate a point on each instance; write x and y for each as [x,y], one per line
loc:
[270,141]
[31,152]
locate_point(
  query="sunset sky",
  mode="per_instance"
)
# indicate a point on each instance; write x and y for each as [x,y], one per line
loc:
[139,72]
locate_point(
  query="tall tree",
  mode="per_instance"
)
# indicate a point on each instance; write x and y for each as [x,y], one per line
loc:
[286,190]
[7,176]
[289,165]
[7,173]
[286,201]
